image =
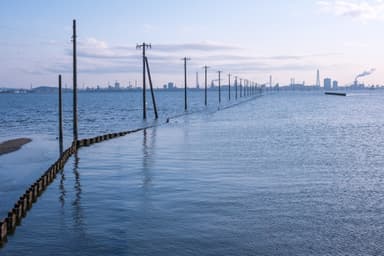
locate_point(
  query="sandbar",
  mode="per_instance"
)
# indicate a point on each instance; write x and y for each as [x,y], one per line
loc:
[13,145]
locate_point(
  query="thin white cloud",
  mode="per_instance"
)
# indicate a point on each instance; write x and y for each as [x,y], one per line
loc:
[97,50]
[361,10]
[148,28]
[50,42]
[93,43]
[92,46]
[207,46]
[98,57]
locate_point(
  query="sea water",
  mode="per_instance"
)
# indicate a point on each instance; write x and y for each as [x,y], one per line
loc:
[289,173]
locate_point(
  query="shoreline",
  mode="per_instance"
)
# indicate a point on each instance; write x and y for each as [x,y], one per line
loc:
[10,146]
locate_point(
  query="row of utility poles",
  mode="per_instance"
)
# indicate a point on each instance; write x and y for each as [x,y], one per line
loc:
[249,86]
[248,89]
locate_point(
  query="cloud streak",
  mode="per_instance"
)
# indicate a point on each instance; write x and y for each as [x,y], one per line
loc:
[207,46]
[98,57]
[361,10]
[201,47]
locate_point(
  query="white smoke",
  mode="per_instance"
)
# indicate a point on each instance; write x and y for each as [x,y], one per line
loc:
[365,73]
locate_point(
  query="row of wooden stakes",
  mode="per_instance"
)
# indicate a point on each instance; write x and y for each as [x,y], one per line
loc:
[21,207]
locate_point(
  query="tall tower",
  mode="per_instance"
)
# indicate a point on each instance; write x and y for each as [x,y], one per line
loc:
[318,79]
[197,80]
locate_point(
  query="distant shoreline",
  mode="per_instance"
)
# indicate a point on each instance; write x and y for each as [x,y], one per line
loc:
[13,145]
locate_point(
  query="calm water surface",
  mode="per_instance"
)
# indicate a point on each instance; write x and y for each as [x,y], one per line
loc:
[285,174]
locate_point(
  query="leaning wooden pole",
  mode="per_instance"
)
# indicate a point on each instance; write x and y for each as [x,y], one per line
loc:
[150,84]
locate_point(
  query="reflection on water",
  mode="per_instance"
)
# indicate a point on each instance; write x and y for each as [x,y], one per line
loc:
[102,112]
[62,187]
[78,215]
[282,175]
[148,149]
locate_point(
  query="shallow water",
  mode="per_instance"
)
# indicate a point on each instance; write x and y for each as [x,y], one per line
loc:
[35,116]
[285,174]
[103,112]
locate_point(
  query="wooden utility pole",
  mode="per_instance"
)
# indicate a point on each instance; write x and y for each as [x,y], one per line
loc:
[60,118]
[75,135]
[185,82]
[229,86]
[236,87]
[151,87]
[205,83]
[144,46]
[219,85]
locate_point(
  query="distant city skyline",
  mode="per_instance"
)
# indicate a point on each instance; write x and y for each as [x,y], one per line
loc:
[249,39]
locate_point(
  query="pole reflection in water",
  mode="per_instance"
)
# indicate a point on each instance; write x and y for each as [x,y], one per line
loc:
[76,204]
[148,152]
[62,196]
[62,188]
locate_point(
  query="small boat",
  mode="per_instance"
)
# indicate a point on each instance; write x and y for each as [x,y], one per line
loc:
[336,93]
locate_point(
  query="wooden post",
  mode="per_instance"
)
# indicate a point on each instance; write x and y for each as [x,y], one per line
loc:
[236,87]
[229,86]
[152,93]
[219,85]
[205,84]
[241,88]
[185,82]
[60,118]
[3,230]
[144,46]
[144,89]
[75,135]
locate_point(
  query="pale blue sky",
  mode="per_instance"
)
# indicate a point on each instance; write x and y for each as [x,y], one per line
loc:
[249,38]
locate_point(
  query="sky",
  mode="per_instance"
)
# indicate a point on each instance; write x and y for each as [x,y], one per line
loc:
[251,39]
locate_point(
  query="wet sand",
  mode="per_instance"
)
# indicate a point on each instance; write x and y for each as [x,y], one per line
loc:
[13,145]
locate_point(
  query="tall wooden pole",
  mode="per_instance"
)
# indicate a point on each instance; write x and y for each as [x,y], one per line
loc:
[144,45]
[185,82]
[205,84]
[241,88]
[229,86]
[60,118]
[75,135]
[236,87]
[219,85]
[144,92]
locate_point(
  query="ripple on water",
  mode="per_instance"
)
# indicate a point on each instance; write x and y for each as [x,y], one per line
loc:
[281,175]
